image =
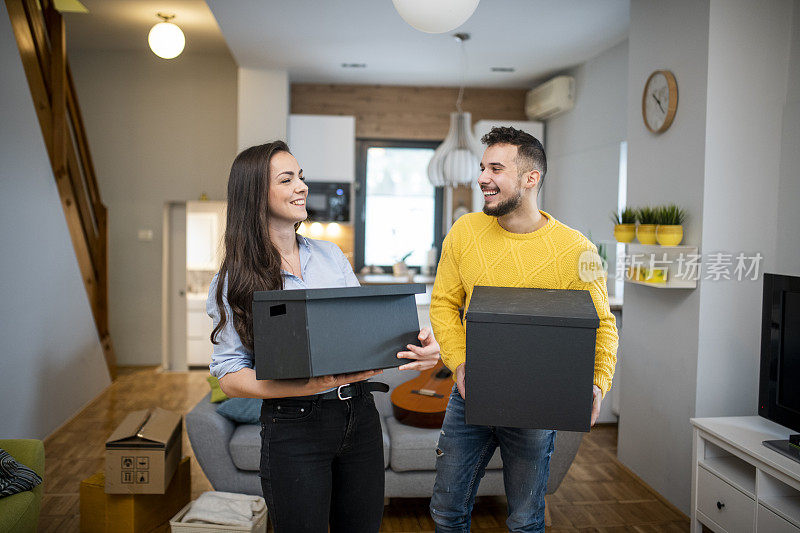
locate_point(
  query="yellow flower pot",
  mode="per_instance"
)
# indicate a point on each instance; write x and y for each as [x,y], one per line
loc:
[646,233]
[624,232]
[670,235]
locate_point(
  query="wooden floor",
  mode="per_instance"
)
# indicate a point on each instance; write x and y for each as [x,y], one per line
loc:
[597,495]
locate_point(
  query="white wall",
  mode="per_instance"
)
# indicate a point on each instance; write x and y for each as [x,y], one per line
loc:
[263,106]
[582,181]
[583,150]
[695,353]
[52,362]
[788,240]
[660,332]
[745,104]
[158,131]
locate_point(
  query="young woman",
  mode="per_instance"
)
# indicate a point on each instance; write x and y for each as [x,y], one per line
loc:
[321,457]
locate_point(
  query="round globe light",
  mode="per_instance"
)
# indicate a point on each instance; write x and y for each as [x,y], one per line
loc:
[435,16]
[166,40]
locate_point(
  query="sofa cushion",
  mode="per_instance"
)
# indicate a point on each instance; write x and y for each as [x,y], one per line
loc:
[216,391]
[245,447]
[386,447]
[19,512]
[392,377]
[241,410]
[415,448]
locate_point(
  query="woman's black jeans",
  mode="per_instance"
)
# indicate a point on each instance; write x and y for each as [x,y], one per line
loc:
[322,463]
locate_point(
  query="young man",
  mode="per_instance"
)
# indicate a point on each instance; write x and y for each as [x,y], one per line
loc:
[510,244]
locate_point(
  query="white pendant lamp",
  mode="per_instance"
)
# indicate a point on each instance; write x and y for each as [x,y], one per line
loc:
[435,16]
[166,39]
[457,159]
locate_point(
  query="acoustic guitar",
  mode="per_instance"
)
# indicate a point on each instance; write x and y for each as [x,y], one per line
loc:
[422,401]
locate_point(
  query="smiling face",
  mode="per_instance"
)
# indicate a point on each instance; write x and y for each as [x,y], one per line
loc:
[500,181]
[287,190]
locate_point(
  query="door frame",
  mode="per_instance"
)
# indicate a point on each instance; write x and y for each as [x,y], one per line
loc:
[173,288]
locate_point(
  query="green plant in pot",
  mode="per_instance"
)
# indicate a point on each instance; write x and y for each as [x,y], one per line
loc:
[400,268]
[624,224]
[646,230]
[670,225]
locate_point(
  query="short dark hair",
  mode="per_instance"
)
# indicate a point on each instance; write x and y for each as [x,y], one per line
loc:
[530,152]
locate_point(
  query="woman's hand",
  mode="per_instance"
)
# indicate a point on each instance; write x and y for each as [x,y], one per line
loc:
[426,356]
[323,383]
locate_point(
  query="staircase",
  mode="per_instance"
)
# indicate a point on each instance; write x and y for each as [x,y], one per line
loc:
[39,31]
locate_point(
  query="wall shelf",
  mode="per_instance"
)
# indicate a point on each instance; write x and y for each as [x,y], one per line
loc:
[669,257]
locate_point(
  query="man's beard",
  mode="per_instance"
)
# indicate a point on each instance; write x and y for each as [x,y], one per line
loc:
[505,207]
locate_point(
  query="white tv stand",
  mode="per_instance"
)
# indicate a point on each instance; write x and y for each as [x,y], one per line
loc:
[738,484]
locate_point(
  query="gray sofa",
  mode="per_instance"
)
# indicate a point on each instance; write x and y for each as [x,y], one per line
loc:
[229,453]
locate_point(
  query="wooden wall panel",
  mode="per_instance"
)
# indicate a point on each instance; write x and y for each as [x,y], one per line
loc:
[397,112]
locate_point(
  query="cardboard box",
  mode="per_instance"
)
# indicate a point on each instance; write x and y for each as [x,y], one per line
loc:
[530,358]
[316,332]
[258,525]
[143,452]
[132,513]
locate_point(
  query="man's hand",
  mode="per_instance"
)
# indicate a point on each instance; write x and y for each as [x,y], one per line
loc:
[461,372]
[597,399]
[426,356]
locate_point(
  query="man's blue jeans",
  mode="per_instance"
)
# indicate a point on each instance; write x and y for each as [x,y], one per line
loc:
[462,455]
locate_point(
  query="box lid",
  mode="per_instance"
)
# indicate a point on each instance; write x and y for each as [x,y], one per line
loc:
[545,307]
[339,292]
[145,429]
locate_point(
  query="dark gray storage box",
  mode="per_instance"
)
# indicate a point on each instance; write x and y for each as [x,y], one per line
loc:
[530,358]
[315,332]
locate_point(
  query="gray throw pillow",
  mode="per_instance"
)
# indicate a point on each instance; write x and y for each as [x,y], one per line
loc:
[242,410]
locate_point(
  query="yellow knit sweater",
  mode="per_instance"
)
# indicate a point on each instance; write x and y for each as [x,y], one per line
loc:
[478,251]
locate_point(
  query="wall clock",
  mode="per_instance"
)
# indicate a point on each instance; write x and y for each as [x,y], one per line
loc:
[659,101]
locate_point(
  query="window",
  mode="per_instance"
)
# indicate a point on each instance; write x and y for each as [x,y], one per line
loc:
[397,209]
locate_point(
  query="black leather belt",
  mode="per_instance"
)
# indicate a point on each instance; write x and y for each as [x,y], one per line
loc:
[345,392]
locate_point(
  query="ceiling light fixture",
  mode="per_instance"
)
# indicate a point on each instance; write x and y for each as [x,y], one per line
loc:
[438,16]
[166,39]
[456,160]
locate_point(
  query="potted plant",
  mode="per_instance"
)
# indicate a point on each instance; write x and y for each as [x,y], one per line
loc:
[624,224]
[400,268]
[646,230]
[670,225]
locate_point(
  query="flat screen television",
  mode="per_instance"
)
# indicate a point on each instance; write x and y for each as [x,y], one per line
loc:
[779,383]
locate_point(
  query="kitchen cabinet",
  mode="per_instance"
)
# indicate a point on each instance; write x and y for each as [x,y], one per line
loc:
[205,226]
[198,330]
[324,145]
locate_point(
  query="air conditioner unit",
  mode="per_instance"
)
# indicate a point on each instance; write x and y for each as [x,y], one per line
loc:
[551,98]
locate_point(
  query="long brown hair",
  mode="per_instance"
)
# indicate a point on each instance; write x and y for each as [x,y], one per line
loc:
[252,263]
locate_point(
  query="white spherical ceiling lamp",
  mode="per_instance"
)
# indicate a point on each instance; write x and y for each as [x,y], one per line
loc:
[166,39]
[435,16]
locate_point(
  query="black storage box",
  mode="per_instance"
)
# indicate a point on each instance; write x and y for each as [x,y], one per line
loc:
[315,332]
[530,358]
